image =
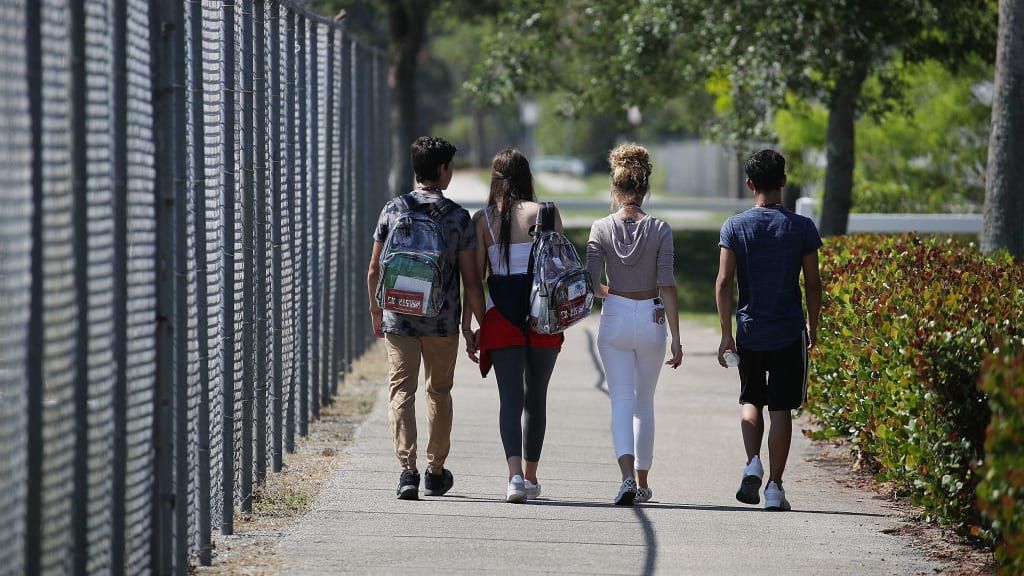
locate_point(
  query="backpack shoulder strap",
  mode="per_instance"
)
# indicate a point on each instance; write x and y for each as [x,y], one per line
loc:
[441,208]
[436,210]
[545,219]
[546,216]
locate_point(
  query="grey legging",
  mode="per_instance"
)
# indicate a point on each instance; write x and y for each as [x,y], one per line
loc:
[523,374]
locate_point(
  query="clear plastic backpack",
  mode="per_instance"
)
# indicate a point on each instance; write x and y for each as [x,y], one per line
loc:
[414,271]
[562,293]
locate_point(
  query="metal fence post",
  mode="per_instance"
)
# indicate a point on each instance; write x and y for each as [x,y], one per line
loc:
[293,218]
[345,254]
[177,163]
[228,375]
[248,255]
[327,320]
[79,183]
[313,209]
[34,360]
[355,229]
[260,137]
[168,44]
[205,551]
[304,234]
[277,327]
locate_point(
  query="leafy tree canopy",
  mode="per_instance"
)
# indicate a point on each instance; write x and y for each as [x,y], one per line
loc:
[925,155]
[751,54]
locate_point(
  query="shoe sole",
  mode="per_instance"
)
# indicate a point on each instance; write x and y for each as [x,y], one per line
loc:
[779,508]
[749,488]
[409,492]
[516,498]
[626,499]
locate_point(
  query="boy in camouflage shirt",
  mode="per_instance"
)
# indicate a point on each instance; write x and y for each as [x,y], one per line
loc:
[434,339]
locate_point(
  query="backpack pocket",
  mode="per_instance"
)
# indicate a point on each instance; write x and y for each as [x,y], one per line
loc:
[565,302]
[411,283]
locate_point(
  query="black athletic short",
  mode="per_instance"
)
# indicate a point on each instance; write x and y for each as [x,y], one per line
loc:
[774,378]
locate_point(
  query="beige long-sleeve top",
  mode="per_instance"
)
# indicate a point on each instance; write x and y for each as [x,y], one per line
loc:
[635,256]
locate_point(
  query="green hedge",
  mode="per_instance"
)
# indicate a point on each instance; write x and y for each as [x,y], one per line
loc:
[905,326]
[1001,492]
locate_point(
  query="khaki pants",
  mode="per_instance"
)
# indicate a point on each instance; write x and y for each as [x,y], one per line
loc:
[438,354]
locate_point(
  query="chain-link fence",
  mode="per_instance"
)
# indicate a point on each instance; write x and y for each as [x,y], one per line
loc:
[187,188]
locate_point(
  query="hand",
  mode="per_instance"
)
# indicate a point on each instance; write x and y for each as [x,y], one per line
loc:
[677,355]
[472,344]
[812,337]
[727,344]
[377,318]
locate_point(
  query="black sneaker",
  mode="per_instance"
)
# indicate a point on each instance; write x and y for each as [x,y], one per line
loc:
[409,485]
[438,484]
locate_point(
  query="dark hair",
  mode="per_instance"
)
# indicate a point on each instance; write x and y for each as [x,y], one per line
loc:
[766,169]
[511,183]
[428,153]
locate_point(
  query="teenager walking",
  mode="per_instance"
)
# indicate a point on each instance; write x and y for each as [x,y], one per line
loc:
[522,359]
[434,339]
[634,250]
[765,249]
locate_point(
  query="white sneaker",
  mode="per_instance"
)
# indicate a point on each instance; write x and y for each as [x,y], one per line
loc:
[750,485]
[627,493]
[532,490]
[775,497]
[516,492]
[643,494]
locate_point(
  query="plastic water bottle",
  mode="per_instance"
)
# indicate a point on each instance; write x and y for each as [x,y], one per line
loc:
[732,359]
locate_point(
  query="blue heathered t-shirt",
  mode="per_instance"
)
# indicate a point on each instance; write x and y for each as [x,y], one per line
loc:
[769,244]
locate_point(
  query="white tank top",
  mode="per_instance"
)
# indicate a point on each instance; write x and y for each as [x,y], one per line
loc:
[518,254]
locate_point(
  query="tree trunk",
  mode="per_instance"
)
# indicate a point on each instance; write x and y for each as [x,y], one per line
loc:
[476,138]
[790,194]
[406,26]
[835,213]
[1004,181]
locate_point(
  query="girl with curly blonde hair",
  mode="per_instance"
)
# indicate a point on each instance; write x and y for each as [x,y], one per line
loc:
[634,251]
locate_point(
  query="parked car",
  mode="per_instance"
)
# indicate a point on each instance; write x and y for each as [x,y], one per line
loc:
[569,165]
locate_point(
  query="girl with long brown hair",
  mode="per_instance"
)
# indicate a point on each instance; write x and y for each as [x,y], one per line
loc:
[522,358]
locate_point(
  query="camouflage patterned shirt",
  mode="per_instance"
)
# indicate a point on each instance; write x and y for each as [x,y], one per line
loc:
[459,234]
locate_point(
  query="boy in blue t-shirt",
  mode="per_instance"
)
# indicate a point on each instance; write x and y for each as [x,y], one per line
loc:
[765,248]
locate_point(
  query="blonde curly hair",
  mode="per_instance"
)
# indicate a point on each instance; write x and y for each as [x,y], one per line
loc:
[631,173]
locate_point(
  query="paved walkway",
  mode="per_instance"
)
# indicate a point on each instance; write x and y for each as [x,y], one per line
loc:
[693,526]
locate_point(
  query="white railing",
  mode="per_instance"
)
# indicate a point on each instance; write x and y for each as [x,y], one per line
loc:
[931,223]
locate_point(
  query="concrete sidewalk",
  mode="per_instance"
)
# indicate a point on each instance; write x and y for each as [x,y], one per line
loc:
[693,526]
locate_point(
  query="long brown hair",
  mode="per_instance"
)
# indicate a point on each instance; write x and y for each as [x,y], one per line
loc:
[511,183]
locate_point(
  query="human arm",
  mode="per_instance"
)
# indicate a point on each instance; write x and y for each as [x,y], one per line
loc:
[670,298]
[812,295]
[468,307]
[668,292]
[472,284]
[723,299]
[595,261]
[372,279]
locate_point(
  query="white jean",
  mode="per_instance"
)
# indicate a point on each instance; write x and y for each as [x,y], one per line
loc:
[632,348]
